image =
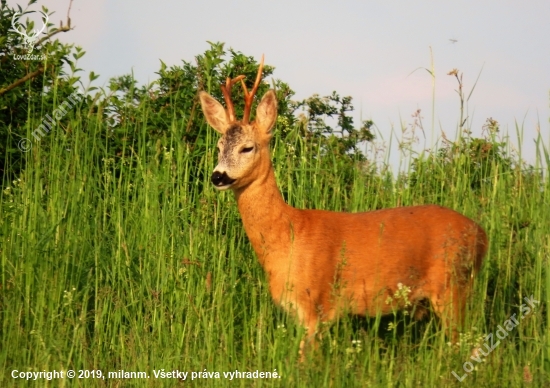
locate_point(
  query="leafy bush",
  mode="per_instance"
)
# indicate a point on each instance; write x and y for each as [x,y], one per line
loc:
[33,87]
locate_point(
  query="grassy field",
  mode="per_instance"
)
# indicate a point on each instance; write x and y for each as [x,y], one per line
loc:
[136,264]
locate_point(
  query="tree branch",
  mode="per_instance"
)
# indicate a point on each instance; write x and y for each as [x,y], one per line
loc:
[56,31]
[22,80]
[40,70]
[61,28]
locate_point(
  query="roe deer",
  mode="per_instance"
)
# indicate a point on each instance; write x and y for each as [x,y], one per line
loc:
[321,263]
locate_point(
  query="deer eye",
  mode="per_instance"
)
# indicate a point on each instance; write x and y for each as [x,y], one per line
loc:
[246,150]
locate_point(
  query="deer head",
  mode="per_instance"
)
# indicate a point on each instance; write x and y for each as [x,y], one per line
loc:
[28,39]
[244,146]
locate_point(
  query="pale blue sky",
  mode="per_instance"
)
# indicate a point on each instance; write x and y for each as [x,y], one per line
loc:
[366,49]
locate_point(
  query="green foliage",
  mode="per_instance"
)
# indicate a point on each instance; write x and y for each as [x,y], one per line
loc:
[147,116]
[342,139]
[468,161]
[23,104]
[110,264]
[172,103]
[116,253]
[330,145]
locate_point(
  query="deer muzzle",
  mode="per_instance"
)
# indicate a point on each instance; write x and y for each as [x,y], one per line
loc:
[221,180]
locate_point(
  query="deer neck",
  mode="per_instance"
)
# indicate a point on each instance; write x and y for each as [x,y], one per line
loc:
[267,219]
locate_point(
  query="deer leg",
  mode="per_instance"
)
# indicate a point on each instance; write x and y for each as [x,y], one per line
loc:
[309,320]
[450,308]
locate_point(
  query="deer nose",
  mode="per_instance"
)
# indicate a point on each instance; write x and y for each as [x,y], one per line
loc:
[221,179]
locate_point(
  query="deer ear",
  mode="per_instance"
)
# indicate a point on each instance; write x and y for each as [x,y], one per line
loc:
[214,112]
[266,113]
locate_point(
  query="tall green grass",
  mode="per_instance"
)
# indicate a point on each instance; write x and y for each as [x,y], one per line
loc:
[136,263]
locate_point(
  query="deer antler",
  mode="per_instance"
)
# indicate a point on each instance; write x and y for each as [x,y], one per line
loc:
[34,33]
[45,17]
[16,15]
[249,97]
[29,40]
[226,90]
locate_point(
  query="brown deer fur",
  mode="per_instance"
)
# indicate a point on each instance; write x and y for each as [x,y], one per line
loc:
[321,264]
